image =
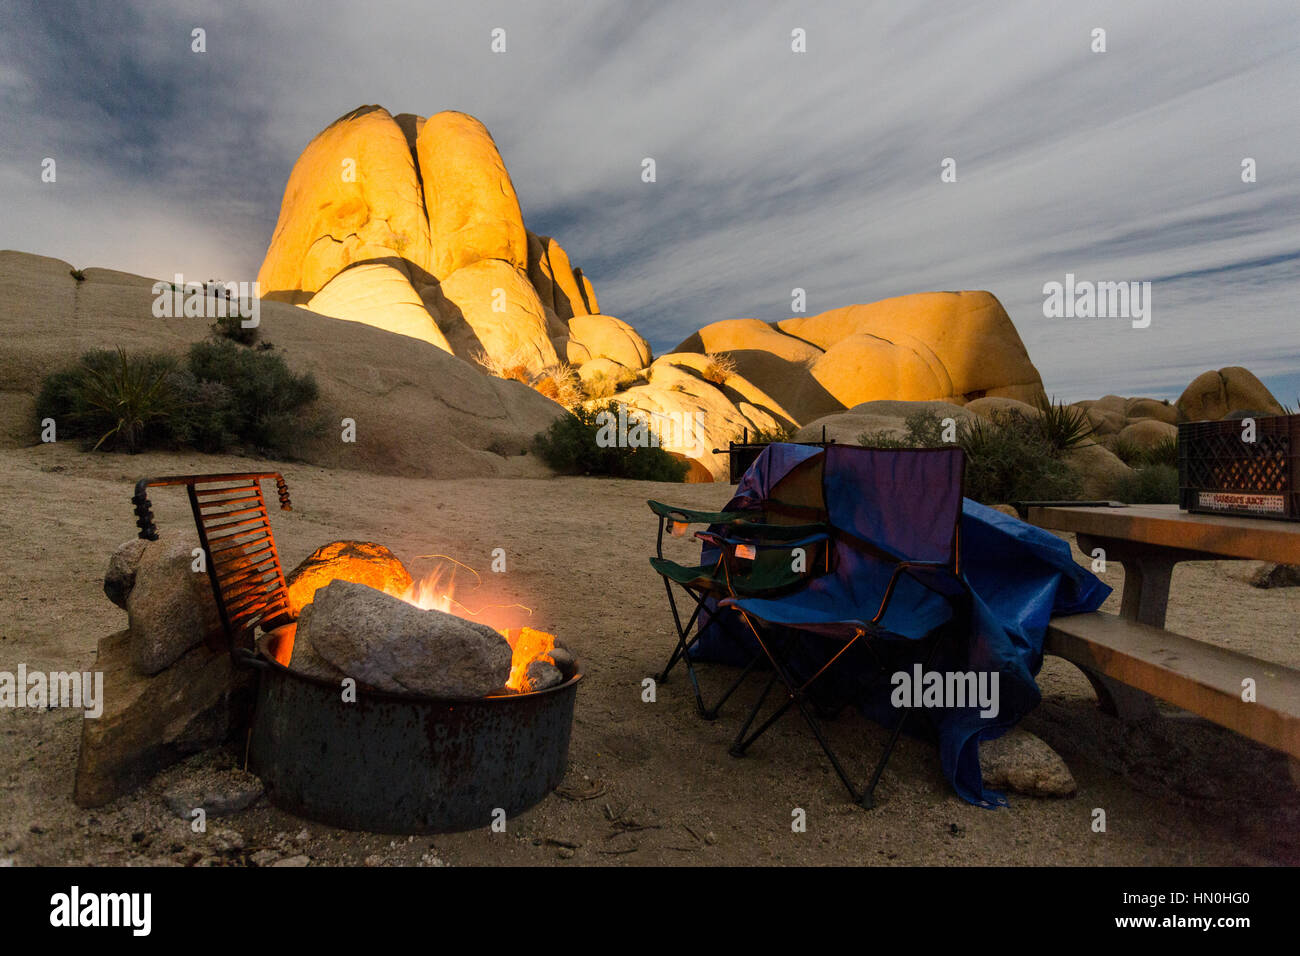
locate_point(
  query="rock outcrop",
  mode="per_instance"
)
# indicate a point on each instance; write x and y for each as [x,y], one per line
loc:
[1216,395]
[418,411]
[947,346]
[413,225]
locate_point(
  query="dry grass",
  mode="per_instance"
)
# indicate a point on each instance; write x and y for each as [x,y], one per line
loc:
[720,367]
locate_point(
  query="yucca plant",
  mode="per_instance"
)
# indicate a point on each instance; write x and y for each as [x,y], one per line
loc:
[131,393]
[1064,426]
[1163,452]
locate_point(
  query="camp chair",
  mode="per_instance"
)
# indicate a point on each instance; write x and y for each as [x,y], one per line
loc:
[894,516]
[754,550]
[234,531]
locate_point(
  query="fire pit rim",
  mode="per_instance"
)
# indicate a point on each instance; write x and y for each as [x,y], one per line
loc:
[266,661]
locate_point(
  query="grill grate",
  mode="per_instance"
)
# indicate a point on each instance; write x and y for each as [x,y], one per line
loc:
[234,529]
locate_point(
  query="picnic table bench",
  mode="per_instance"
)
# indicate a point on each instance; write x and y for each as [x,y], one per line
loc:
[1130,657]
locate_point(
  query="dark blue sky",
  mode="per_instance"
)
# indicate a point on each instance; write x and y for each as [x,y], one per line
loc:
[776,170]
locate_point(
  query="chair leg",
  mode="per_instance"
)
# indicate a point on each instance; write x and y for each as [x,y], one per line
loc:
[712,712]
[682,652]
[739,745]
[868,798]
[796,695]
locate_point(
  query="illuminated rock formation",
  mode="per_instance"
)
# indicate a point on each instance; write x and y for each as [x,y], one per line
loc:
[412,225]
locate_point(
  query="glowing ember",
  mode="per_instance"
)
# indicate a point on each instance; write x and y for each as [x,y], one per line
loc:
[528,645]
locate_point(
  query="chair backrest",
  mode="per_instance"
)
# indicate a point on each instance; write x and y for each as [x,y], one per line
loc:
[243,564]
[906,501]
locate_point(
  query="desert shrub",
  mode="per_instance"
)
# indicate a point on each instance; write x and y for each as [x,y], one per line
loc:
[718,368]
[266,396]
[1008,458]
[570,446]
[1153,484]
[1129,452]
[77,274]
[599,386]
[232,327]
[223,397]
[923,430]
[111,400]
[604,385]
[1163,452]
[778,434]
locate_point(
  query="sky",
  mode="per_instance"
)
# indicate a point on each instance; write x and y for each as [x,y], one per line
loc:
[775,170]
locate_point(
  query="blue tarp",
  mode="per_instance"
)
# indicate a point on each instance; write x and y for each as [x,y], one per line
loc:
[1019,576]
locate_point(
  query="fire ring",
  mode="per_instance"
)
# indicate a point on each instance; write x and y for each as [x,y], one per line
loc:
[403,763]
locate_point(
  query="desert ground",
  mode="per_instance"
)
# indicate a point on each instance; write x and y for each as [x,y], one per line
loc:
[648,783]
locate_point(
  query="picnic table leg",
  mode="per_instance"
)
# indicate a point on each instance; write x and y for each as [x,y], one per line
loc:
[1147,573]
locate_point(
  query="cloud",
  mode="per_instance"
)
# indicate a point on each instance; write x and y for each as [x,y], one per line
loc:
[775,170]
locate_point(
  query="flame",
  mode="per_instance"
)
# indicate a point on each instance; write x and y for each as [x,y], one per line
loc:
[436,590]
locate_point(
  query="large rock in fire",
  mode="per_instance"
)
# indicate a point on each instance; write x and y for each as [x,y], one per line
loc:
[391,645]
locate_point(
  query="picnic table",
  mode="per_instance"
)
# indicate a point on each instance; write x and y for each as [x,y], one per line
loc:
[1130,657]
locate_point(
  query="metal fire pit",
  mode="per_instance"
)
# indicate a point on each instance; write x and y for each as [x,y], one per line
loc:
[402,763]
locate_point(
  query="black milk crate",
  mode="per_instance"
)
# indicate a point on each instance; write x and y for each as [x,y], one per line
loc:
[1220,473]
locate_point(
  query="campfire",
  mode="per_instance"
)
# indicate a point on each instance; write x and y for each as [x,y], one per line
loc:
[339,629]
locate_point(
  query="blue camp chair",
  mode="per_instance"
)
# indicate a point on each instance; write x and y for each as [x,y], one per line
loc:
[891,573]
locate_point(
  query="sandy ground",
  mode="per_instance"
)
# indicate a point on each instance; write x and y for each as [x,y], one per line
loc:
[664,790]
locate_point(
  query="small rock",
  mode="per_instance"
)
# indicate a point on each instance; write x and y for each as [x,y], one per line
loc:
[226,840]
[264,857]
[374,860]
[1023,763]
[302,837]
[565,661]
[710,838]
[565,853]
[7,861]
[299,860]
[217,792]
[543,674]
